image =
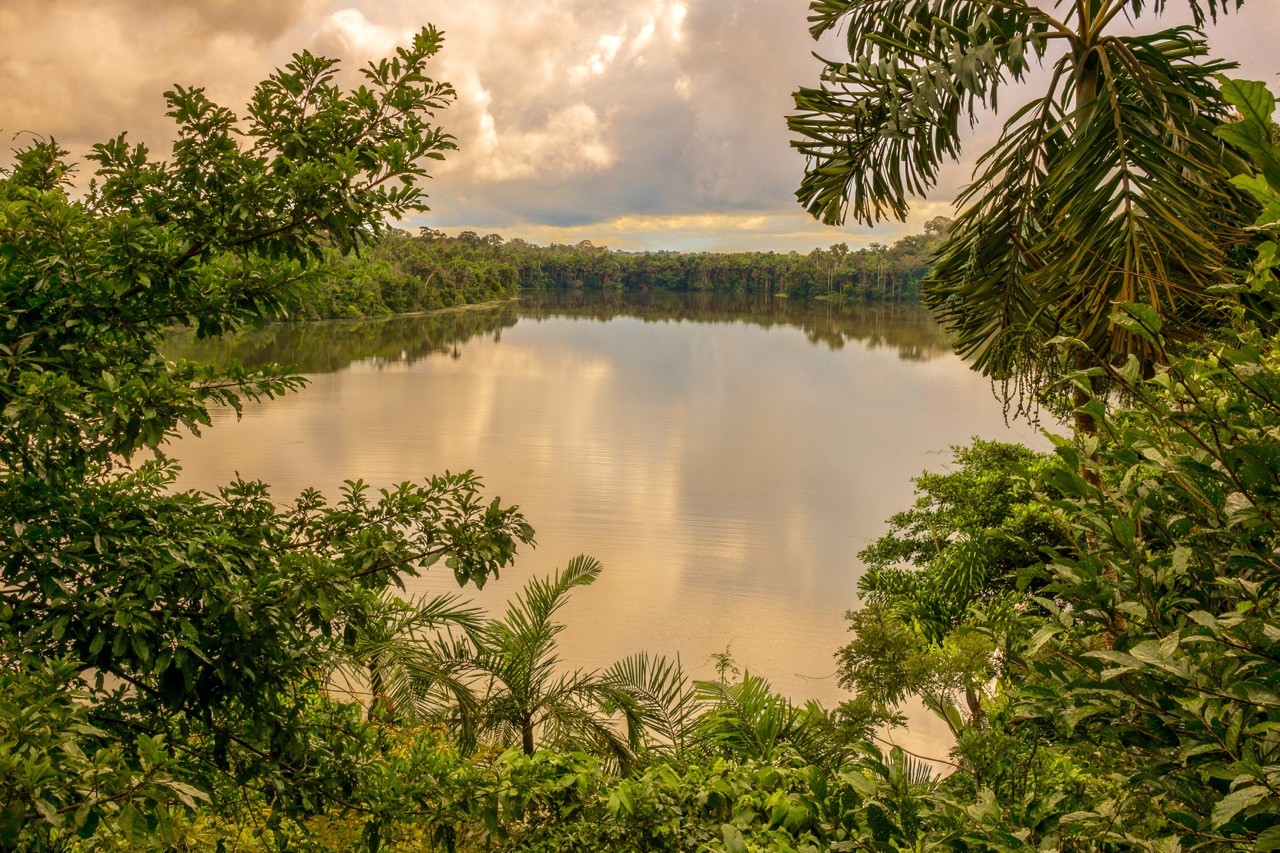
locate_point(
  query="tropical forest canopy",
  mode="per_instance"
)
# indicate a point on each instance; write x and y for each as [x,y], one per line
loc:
[403,273]
[1098,626]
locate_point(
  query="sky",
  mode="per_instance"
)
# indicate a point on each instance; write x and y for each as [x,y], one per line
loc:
[637,124]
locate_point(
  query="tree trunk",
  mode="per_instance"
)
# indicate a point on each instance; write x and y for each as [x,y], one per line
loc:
[975,706]
[526,734]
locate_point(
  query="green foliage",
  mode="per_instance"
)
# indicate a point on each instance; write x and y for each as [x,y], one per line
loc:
[193,633]
[877,273]
[64,776]
[946,607]
[1109,186]
[666,704]
[884,121]
[403,273]
[528,694]
[973,530]
[1164,653]
[747,720]
[725,664]
[1152,683]
[168,658]
[562,802]
[404,652]
[218,615]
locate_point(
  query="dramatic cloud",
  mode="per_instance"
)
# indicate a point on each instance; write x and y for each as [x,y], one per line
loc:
[648,123]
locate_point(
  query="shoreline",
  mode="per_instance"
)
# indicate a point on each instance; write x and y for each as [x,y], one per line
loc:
[452,309]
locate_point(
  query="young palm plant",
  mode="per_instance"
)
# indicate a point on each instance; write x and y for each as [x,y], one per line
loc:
[1108,187]
[666,702]
[413,656]
[529,696]
[747,721]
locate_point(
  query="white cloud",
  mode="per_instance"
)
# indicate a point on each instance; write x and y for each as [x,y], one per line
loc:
[683,87]
[599,61]
[643,37]
[571,141]
[348,33]
[676,13]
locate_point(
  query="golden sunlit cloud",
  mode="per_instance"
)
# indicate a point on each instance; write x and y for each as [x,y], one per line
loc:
[641,124]
[779,230]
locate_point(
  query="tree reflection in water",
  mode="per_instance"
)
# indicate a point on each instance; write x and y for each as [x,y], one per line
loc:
[325,347]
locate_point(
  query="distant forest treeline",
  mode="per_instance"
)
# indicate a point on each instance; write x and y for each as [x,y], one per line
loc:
[405,273]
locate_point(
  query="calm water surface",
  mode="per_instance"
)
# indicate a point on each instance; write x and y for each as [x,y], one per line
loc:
[725,459]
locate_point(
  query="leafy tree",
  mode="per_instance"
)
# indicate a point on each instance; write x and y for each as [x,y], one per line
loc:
[1178,699]
[1145,714]
[201,626]
[1107,187]
[63,775]
[945,588]
[403,273]
[972,531]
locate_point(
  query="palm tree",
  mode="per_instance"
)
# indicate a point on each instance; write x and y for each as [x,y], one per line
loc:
[1107,190]
[414,657]
[529,695]
[665,702]
[747,721]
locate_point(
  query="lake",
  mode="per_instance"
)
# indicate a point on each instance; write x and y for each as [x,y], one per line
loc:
[725,458]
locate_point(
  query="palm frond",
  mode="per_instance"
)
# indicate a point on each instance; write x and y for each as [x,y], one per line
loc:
[396,650]
[572,721]
[904,771]
[667,703]
[881,124]
[1081,209]
[518,655]
[1202,11]
[528,622]
[748,720]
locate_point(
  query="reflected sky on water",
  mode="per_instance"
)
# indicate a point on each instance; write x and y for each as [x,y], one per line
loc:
[725,459]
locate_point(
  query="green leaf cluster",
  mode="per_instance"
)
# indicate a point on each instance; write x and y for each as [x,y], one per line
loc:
[160,647]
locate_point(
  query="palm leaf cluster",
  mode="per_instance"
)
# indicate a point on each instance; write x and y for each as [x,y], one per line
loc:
[502,683]
[1108,188]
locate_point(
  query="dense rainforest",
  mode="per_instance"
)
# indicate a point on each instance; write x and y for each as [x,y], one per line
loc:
[1099,626]
[403,273]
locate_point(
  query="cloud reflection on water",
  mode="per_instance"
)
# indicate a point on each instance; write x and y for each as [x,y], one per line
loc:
[725,473]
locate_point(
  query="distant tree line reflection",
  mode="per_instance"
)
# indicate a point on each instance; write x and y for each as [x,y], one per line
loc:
[324,347]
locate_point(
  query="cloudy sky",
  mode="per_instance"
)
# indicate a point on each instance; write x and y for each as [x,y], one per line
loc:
[637,124]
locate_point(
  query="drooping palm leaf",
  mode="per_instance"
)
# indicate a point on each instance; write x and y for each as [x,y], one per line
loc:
[403,653]
[881,124]
[578,711]
[1110,188]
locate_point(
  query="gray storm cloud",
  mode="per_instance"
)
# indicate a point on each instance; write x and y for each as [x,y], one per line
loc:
[85,71]
[647,123]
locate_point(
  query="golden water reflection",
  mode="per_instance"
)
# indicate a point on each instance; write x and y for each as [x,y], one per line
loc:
[724,459]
